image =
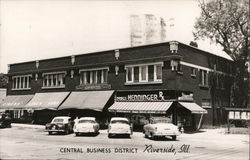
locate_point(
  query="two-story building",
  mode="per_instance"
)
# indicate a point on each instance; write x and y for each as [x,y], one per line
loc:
[171,79]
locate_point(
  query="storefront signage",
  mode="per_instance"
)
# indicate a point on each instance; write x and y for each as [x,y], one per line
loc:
[143,97]
[236,115]
[186,97]
[146,96]
[93,86]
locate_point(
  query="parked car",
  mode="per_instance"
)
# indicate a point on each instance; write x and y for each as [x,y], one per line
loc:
[61,124]
[86,125]
[160,127]
[119,126]
[5,121]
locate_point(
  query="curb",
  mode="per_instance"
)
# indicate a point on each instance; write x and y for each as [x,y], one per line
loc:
[28,125]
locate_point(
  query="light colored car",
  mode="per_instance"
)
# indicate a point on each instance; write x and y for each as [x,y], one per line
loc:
[119,126]
[160,127]
[62,124]
[86,125]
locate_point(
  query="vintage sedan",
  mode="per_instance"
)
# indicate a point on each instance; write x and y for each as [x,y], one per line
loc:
[119,126]
[160,127]
[86,125]
[5,120]
[61,124]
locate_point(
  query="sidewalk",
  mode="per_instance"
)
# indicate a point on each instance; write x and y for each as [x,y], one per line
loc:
[34,126]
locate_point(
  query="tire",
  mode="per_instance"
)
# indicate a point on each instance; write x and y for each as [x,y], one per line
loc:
[128,136]
[174,138]
[67,131]
[50,133]
[109,135]
[77,134]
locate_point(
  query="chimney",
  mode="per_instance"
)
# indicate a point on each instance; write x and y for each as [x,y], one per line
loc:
[194,44]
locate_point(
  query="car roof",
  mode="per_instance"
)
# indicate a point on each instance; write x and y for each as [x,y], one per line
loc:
[62,117]
[119,118]
[87,118]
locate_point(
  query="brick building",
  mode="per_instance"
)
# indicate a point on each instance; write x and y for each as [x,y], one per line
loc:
[172,79]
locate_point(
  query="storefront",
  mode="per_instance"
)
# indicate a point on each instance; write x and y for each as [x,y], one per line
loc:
[140,106]
[14,105]
[44,106]
[88,104]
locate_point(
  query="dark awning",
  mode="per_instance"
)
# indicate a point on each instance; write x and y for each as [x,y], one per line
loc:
[94,100]
[193,107]
[140,107]
[46,100]
[15,101]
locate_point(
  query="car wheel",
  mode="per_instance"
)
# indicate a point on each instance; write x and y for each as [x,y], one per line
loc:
[50,133]
[109,135]
[174,137]
[77,134]
[66,131]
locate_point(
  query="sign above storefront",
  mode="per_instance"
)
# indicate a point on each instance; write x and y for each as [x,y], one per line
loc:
[146,96]
[93,86]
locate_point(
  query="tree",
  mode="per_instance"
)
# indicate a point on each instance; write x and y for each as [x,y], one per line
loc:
[3,80]
[226,22]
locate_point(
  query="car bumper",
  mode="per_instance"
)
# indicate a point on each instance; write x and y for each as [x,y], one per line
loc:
[119,132]
[84,130]
[55,130]
[162,134]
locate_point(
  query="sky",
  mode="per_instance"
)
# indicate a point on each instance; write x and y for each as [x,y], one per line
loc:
[33,29]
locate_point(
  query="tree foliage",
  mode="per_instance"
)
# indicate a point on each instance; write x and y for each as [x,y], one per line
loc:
[226,22]
[3,80]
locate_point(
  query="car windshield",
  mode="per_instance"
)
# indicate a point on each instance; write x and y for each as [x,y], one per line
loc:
[160,120]
[119,121]
[86,121]
[58,120]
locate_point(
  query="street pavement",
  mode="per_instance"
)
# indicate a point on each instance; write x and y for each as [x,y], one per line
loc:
[31,142]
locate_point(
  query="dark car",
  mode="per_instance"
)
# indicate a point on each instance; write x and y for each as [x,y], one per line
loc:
[5,121]
[62,124]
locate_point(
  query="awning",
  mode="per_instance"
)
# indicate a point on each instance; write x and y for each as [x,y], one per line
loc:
[94,100]
[193,107]
[140,107]
[46,100]
[15,101]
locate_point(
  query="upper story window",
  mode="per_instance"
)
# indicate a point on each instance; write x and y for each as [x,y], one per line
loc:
[94,76]
[193,72]
[21,82]
[203,78]
[54,80]
[144,73]
[176,66]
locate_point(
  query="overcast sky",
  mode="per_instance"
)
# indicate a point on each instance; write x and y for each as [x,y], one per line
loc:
[36,29]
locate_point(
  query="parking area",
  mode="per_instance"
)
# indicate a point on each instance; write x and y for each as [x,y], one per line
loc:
[31,142]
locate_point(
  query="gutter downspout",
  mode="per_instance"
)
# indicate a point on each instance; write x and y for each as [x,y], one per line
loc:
[199,125]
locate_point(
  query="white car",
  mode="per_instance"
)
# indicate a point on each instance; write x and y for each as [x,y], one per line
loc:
[160,127]
[119,126]
[86,125]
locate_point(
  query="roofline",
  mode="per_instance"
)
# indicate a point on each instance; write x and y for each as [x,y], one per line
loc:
[124,48]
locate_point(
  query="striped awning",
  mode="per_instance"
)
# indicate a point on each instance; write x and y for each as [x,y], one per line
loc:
[193,107]
[140,107]
[51,100]
[15,101]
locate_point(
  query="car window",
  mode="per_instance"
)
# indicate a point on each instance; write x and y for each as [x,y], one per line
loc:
[58,120]
[86,121]
[154,121]
[119,121]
